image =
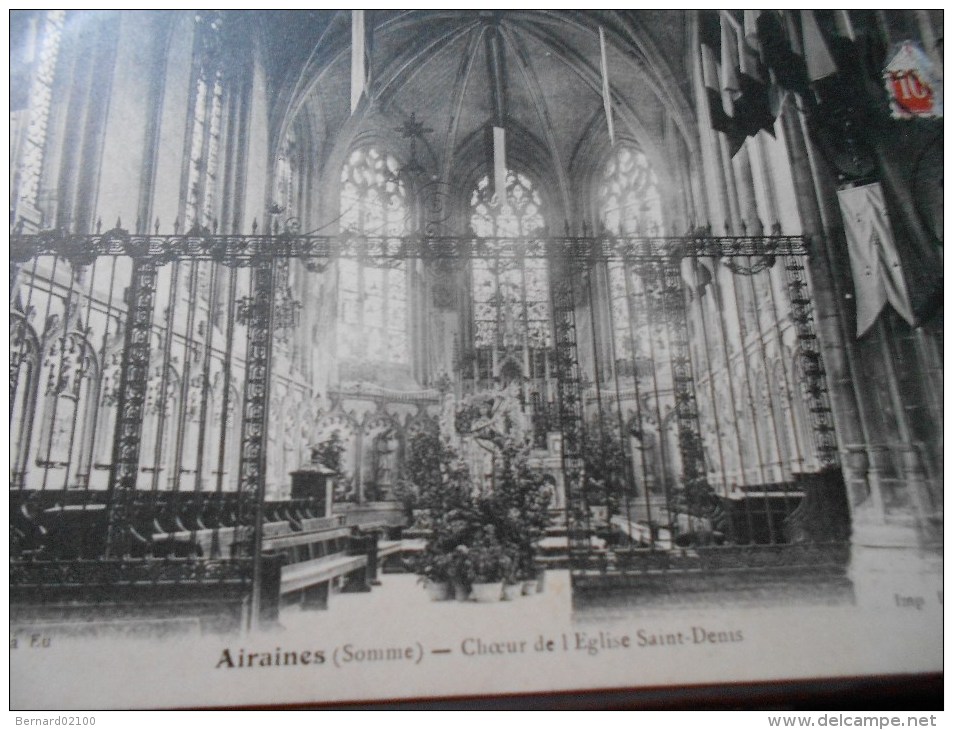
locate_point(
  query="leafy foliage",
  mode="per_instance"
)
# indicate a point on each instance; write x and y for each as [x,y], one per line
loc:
[518,506]
[477,537]
[330,452]
[606,462]
[697,497]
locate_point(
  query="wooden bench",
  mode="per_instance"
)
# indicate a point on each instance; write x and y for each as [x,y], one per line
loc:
[642,534]
[208,543]
[316,559]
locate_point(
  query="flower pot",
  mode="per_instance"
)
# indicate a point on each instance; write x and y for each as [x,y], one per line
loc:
[486,592]
[511,591]
[529,587]
[438,591]
[460,592]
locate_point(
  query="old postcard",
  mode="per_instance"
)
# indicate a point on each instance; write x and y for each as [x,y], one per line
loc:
[365,355]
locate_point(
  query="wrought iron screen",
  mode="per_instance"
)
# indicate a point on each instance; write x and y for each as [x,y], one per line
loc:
[685,386]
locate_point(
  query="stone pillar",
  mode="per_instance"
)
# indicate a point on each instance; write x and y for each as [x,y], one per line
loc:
[891,568]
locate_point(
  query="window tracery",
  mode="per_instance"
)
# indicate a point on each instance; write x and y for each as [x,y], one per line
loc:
[510,296]
[372,298]
[630,205]
[206,125]
[40,97]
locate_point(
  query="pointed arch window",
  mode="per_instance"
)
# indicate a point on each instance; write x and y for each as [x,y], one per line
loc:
[510,297]
[629,205]
[286,172]
[372,296]
[206,123]
[42,50]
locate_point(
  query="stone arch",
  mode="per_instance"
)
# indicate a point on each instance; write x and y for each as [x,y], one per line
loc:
[24,385]
[338,420]
[63,431]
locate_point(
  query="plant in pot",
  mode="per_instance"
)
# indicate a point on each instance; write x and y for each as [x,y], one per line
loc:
[512,584]
[461,572]
[519,508]
[490,565]
[439,484]
[434,571]
[525,573]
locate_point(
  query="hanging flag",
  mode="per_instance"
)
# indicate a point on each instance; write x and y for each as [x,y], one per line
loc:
[360,58]
[730,84]
[874,262]
[711,54]
[750,47]
[820,63]
[499,164]
[606,94]
[755,64]
[844,24]
[750,20]
[786,67]
[696,275]
[914,85]
[754,110]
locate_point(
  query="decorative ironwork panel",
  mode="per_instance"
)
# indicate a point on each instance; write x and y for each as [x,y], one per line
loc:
[118,572]
[683,384]
[663,348]
[133,384]
[814,379]
[246,250]
[254,429]
[569,403]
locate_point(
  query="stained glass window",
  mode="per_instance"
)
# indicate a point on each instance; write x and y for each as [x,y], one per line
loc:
[285,191]
[206,126]
[372,297]
[41,94]
[510,297]
[630,205]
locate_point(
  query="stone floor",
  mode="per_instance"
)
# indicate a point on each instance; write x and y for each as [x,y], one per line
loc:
[401,600]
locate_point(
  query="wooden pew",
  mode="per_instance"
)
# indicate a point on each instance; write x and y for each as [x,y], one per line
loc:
[316,558]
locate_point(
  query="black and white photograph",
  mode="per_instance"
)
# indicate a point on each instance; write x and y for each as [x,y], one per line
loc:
[377,355]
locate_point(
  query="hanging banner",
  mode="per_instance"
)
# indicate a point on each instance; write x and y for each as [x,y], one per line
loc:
[360,58]
[914,84]
[499,164]
[874,262]
[606,93]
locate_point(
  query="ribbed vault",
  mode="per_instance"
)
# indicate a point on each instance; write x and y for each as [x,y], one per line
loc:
[434,63]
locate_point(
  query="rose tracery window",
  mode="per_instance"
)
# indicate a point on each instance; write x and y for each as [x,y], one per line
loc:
[510,296]
[372,297]
[629,205]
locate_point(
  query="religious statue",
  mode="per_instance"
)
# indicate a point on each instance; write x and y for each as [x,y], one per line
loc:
[385,458]
[485,422]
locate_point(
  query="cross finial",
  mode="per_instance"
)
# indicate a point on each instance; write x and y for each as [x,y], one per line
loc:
[413,130]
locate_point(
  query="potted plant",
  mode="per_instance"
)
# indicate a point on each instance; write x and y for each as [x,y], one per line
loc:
[434,570]
[540,580]
[512,584]
[519,509]
[490,565]
[461,572]
[527,575]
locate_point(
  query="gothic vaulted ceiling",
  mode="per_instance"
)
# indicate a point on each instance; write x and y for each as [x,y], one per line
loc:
[437,65]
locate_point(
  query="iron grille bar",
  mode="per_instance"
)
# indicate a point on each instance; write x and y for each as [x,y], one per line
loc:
[570,408]
[132,396]
[244,250]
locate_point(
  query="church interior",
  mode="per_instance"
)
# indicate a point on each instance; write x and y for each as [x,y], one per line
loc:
[282,281]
